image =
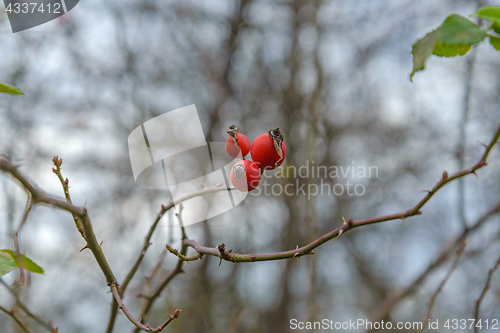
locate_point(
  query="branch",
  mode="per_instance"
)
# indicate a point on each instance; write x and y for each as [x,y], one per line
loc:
[434,296]
[221,253]
[26,310]
[14,317]
[147,243]
[164,209]
[159,288]
[486,288]
[385,307]
[17,250]
[83,224]
[137,324]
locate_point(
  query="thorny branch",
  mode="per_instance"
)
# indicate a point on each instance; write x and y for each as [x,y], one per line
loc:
[221,252]
[440,288]
[385,307]
[486,288]
[23,307]
[15,318]
[84,225]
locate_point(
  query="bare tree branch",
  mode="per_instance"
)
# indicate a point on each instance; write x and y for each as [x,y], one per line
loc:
[26,310]
[486,288]
[440,288]
[385,307]
[223,254]
[15,318]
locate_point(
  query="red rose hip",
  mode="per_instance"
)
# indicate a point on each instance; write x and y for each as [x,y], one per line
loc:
[245,175]
[237,142]
[269,150]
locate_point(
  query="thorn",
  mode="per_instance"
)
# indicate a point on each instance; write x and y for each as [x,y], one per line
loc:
[85,247]
[474,172]
[340,233]
[298,260]
[403,224]
[101,243]
[220,262]
[343,219]
[419,212]
[437,177]
[427,191]
[219,185]
[482,144]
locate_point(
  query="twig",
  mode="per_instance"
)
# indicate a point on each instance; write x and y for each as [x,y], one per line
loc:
[25,309]
[147,243]
[80,216]
[14,317]
[486,288]
[385,307]
[445,179]
[164,209]
[146,328]
[434,296]
[182,257]
[16,235]
[149,299]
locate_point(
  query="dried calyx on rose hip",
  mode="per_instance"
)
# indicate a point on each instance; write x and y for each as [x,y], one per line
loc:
[268,150]
[245,175]
[237,142]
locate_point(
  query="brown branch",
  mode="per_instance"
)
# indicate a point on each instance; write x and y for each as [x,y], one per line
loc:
[15,318]
[82,221]
[26,310]
[440,288]
[15,236]
[486,288]
[137,324]
[385,307]
[147,243]
[149,299]
[349,225]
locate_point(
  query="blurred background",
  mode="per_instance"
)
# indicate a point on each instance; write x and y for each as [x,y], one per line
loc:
[334,77]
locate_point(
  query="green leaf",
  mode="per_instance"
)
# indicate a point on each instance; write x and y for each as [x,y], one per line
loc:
[495,42]
[8,89]
[457,29]
[6,263]
[421,50]
[496,27]
[28,264]
[450,50]
[488,13]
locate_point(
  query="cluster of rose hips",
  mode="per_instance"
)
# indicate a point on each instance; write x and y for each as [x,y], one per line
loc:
[268,152]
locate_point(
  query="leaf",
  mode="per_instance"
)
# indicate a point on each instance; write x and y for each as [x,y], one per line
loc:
[496,27]
[457,29]
[450,50]
[488,13]
[28,264]
[8,89]
[495,42]
[6,263]
[421,50]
